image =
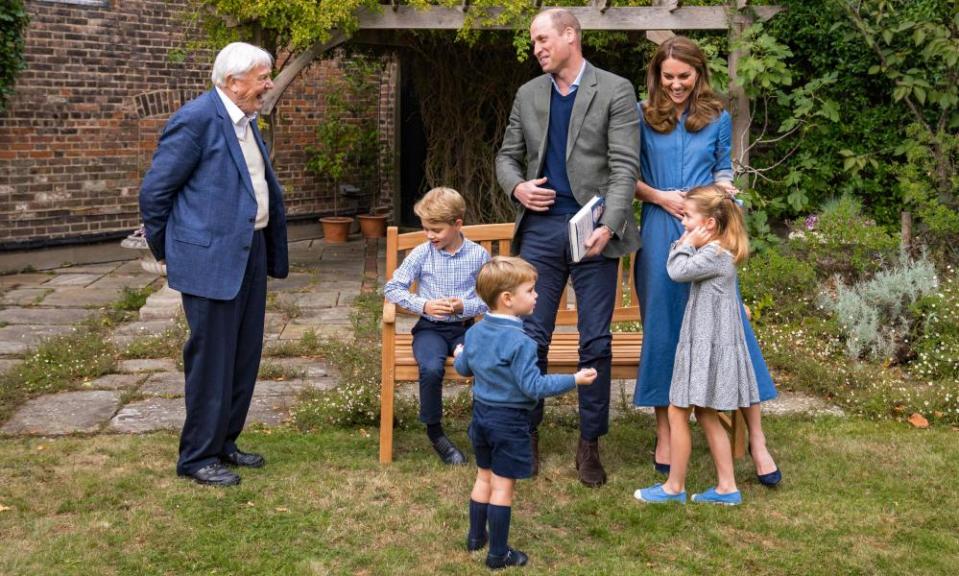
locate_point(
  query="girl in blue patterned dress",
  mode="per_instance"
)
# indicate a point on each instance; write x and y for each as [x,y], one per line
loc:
[686,141]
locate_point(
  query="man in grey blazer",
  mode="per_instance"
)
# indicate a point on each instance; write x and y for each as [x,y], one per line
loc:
[573,134]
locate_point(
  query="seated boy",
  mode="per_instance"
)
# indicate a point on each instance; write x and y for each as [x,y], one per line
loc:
[445,269]
[507,385]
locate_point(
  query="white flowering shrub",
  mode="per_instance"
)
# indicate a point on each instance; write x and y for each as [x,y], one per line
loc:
[937,345]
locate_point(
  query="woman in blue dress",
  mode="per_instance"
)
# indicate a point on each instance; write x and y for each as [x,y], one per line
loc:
[686,141]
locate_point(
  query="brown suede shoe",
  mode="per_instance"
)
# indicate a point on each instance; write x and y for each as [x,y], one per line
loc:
[534,444]
[591,472]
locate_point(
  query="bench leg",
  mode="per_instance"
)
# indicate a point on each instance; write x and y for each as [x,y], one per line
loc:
[735,425]
[386,419]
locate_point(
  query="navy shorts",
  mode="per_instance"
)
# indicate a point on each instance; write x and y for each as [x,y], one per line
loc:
[501,440]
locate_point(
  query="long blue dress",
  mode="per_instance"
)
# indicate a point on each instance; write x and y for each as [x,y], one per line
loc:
[677,161]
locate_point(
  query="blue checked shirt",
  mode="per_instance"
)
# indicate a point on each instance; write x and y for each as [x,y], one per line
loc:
[439,274]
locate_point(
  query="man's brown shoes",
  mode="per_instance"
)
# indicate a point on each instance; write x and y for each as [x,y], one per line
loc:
[591,472]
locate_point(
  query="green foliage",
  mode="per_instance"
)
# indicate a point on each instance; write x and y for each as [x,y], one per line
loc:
[355,402]
[842,240]
[132,299]
[777,287]
[347,141]
[13,23]
[877,316]
[937,342]
[167,344]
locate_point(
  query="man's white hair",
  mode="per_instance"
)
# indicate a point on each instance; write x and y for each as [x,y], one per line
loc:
[237,59]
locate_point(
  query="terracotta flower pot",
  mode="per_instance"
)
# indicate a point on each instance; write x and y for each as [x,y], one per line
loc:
[373,225]
[336,229]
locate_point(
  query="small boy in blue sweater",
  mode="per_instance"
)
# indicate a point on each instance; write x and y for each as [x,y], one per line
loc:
[507,385]
[445,269]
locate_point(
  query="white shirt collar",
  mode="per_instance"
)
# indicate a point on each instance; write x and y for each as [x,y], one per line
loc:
[238,117]
[505,317]
[575,85]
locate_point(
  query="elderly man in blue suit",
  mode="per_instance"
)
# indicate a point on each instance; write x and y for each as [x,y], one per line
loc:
[213,210]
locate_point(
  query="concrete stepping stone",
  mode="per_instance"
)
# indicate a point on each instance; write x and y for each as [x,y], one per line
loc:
[98,269]
[799,403]
[10,281]
[149,415]
[64,413]
[81,280]
[24,296]
[165,303]
[167,384]
[311,369]
[18,339]
[295,282]
[84,297]
[317,299]
[115,382]
[146,365]
[126,334]
[46,316]
[7,364]
[122,281]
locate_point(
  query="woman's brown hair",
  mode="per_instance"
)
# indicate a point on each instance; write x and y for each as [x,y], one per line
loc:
[660,111]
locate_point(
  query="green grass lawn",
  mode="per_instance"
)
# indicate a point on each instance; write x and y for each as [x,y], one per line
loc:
[858,498]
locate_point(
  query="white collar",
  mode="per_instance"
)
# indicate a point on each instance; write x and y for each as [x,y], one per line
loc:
[575,85]
[237,116]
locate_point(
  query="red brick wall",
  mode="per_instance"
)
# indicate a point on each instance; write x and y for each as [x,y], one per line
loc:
[100,84]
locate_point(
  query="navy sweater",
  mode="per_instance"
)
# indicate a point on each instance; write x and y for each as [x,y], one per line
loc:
[554,164]
[502,359]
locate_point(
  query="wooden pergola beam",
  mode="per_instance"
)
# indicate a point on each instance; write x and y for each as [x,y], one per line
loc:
[590,18]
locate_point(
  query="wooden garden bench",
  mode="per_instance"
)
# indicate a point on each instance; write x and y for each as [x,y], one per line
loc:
[398,363]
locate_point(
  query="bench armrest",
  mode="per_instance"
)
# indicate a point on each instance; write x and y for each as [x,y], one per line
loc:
[389,312]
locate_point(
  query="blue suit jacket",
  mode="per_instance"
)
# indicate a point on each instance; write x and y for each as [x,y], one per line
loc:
[198,205]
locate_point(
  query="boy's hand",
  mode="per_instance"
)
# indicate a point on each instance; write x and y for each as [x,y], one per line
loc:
[585,377]
[438,307]
[456,304]
[458,350]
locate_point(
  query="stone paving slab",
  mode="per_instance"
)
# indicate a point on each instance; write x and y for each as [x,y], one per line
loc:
[18,339]
[295,331]
[80,280]
[799,403]
[146,365]
[46,316]
[311,369]
[99,269]
[274,323]
[133,267]
[65,413]
[23,280]
[296,281]
[7,364]
[337,315]
[24,296]
[126,334]
[324,299]
[121,282]
[149,415]
[115,382]
[81,297]
[167,384]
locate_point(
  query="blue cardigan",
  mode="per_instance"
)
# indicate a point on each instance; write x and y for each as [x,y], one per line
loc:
[502,359]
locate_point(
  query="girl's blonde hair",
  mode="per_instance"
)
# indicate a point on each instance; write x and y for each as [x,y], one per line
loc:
[704,106]
[714,202]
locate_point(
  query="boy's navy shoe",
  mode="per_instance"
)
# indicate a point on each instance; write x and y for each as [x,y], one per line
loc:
[474,544]
[246,459]
[215,474]
[512,558]
[448,452]
[772,479]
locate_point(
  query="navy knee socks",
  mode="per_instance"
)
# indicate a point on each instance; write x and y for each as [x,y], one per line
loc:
[477,520]
[499,517]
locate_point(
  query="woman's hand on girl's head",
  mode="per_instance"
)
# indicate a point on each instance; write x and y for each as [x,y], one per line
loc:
[728,187]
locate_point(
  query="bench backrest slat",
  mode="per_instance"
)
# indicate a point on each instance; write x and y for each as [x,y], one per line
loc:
[496,239]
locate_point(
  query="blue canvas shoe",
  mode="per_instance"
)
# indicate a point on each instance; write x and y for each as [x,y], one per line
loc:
[712,497]
[656,495]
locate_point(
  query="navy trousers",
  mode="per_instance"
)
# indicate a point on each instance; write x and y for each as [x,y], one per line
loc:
[221,360]
[433,342]
[545,244]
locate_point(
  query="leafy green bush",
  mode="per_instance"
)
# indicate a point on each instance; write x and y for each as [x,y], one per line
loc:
[777,286]
[841,240]
[13,23]
[877,316]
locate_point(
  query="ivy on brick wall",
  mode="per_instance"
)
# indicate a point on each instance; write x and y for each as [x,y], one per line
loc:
[13,23]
